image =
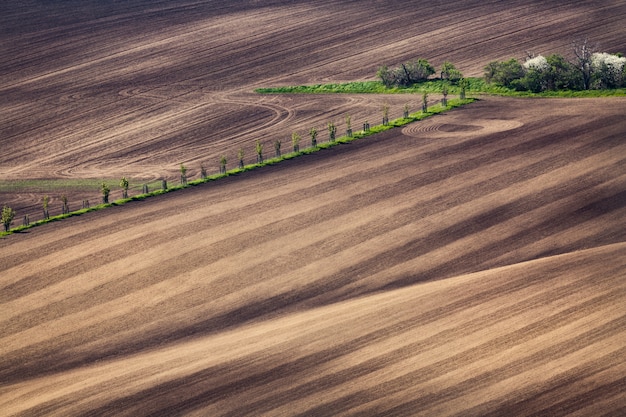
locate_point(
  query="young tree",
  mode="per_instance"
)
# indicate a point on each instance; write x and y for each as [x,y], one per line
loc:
[313,134]
[295,141]
[46,201]
[332,131]
[348,126]
[385,114]
[65,208]
[425,102]
[105,192]
[277,146]
[463,84]
[203,173]
[259,151]
[223,162]
[444,91]
[240,155]
[183,174]
[8,214]
[124,184]
[406,111]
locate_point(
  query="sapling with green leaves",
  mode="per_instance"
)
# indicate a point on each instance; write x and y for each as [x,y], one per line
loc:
[223,162]
[277,146]
[124,184]
[8,214]
[425,102]
[463,85]
[406,111]
[183,174]
[105,190]
[385,114]
[240,155]
[66,207]
[332,131]
[295,141]
[259,151]
[203,173]
[348,119]
[313,134]
[444,91]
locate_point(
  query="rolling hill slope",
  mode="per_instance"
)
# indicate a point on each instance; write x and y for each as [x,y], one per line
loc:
[469,264]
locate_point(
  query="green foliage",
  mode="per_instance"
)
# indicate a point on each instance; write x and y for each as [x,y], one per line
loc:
[124,184]
[406,74]
[8,214]
[450,73]
[66,207]
[183,174]
[504,73]
[332,131]
[277,146]
[259,151]
[240,155]
[313,135]
[105,190]
[295,141]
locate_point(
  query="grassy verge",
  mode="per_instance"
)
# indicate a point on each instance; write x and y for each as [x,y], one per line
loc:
[474,86]
[413,117]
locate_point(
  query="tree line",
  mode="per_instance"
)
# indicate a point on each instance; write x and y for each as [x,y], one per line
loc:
[588,69]
[9,214]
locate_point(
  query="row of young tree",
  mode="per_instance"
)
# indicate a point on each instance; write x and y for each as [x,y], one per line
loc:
[8,214]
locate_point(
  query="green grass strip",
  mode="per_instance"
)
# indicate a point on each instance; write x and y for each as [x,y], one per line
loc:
[413,117]
[475,85]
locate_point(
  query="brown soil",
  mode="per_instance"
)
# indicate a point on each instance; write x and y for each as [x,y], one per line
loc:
[471,264]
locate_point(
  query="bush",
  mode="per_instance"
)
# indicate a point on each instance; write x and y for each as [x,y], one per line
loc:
[450,73]
[504,73]
[406,74]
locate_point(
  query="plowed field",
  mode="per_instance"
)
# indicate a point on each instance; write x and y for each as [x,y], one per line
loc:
[103,89]
[472,264]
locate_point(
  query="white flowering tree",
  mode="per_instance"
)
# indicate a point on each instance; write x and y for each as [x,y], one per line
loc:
[608,70]
[537,63]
